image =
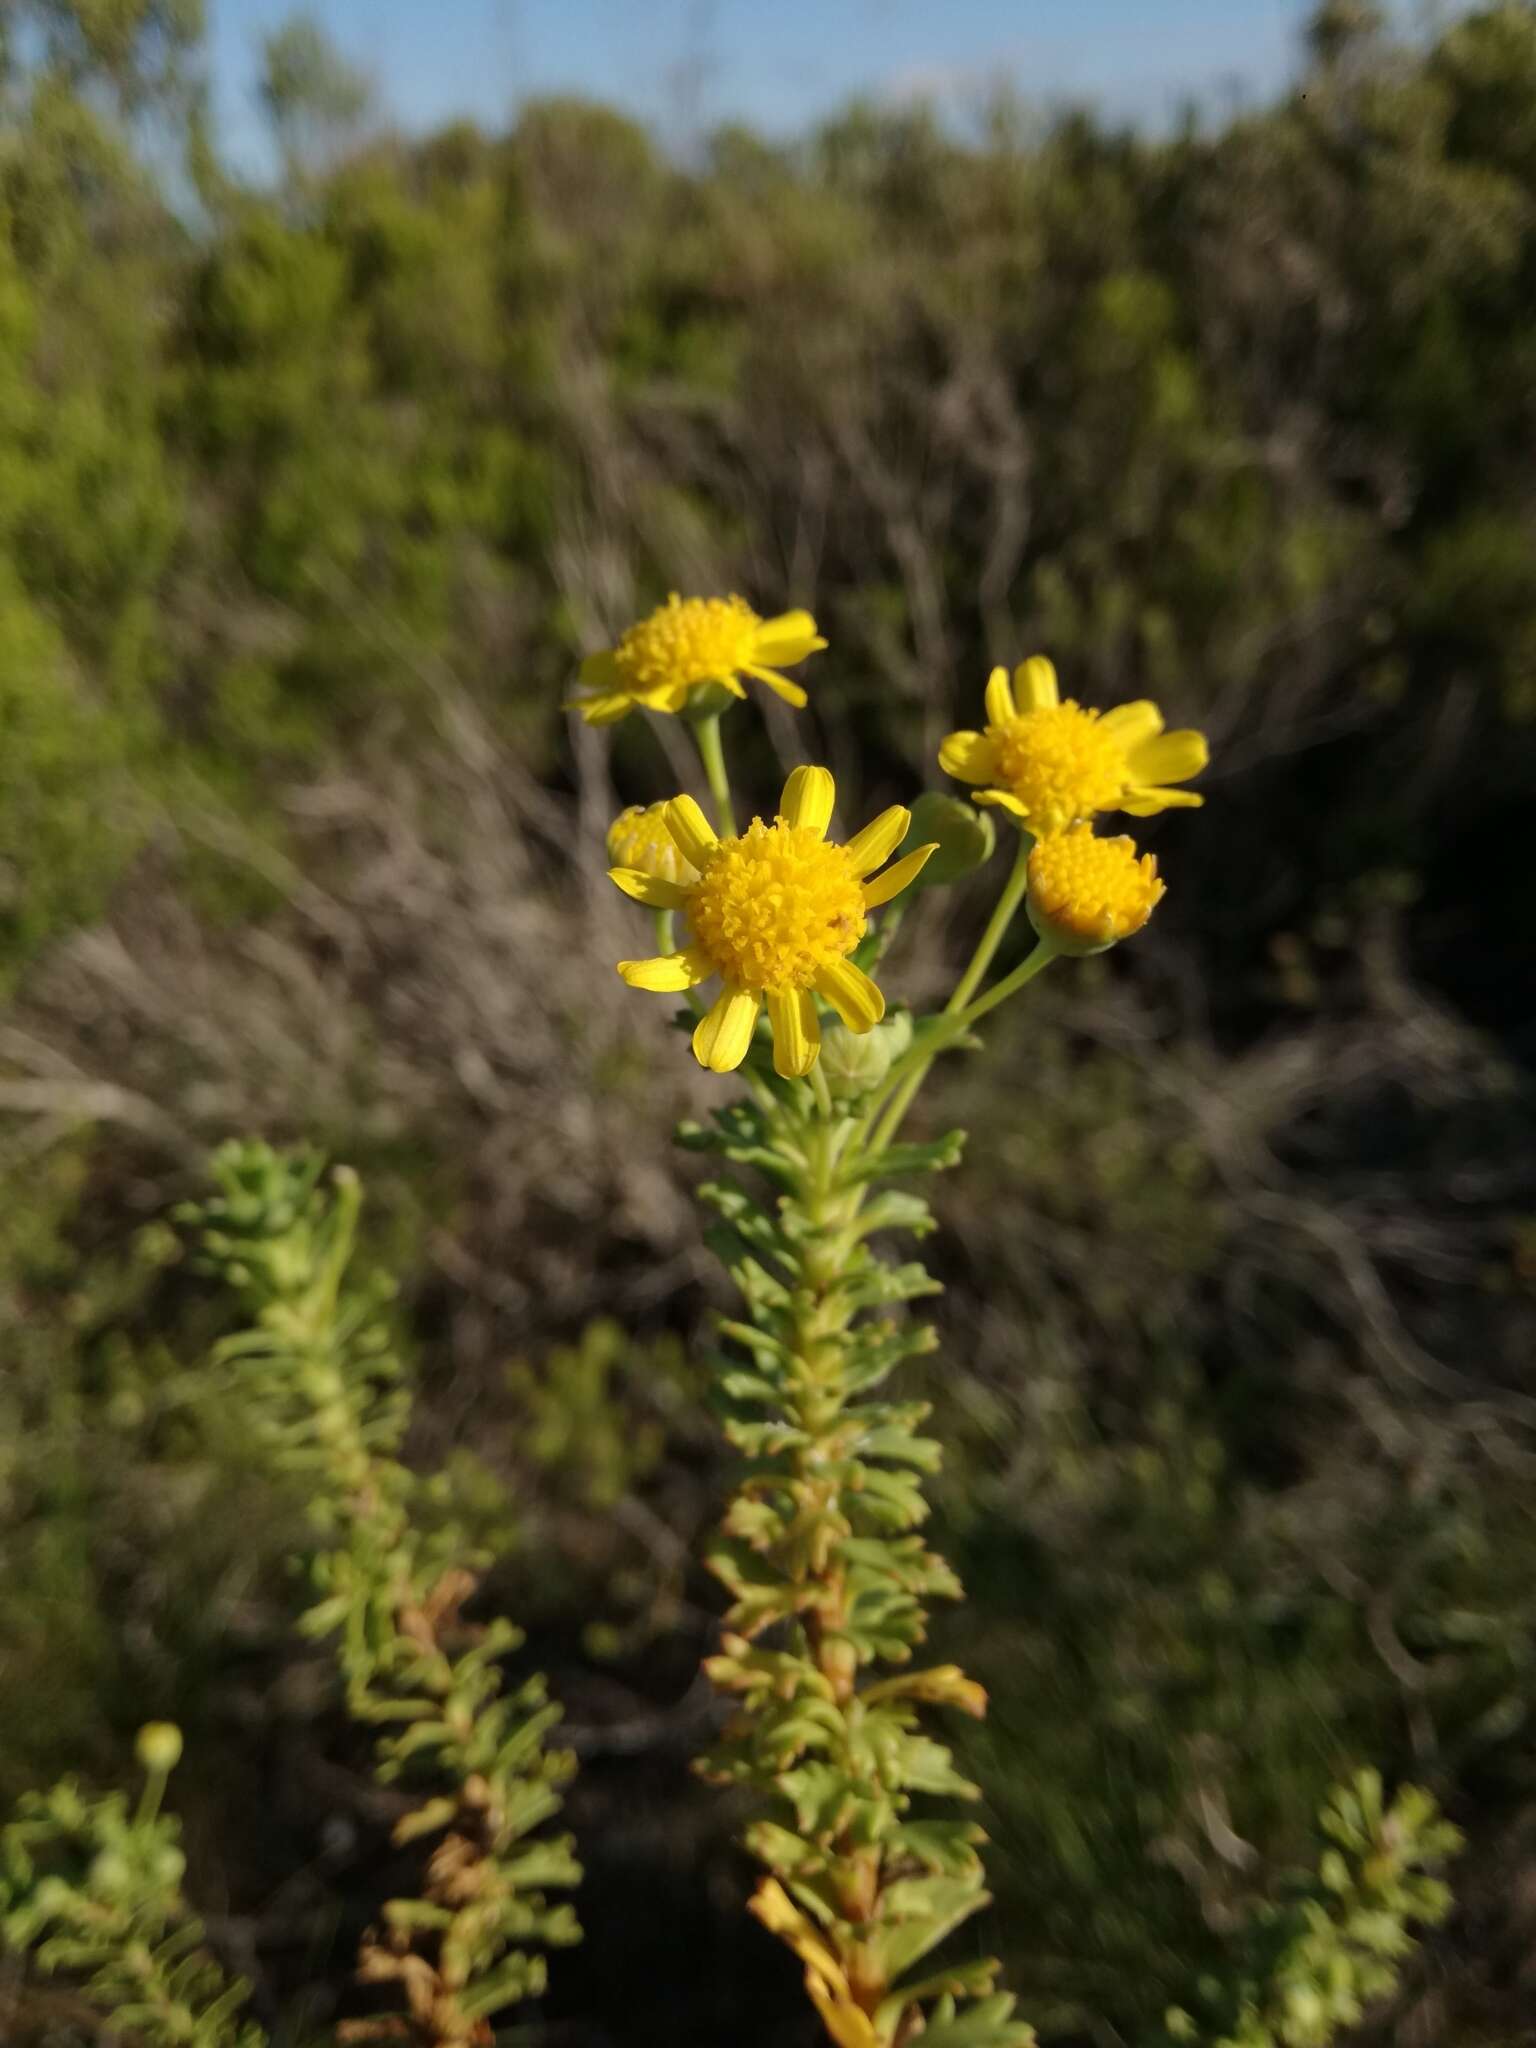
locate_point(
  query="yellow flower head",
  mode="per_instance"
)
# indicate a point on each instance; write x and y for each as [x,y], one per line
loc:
[1053,763]
[638,838]
[688,643]
[1085,893]
[775,912]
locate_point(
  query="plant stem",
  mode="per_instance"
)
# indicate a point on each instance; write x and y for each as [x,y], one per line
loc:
[997,926]
[822,1092]
[906,1083]
[919,1060]
[1042,956]
[706,736]
[150,1797]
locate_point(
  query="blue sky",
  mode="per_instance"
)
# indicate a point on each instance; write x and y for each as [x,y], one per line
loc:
[686,64]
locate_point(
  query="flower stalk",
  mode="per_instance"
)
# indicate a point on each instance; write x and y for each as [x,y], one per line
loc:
[706,734]
[821,1552]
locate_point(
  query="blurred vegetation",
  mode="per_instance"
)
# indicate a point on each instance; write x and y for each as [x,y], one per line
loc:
[311,494]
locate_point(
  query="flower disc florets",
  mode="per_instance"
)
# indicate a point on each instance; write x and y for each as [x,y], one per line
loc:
[1061,764]
[776,906]
[776,912]
[686,641]
[1085,893]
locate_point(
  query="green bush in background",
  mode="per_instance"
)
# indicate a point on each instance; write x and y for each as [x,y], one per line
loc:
[310,498]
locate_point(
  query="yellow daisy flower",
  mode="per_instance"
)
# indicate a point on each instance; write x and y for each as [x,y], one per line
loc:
[1086,893]
[688,643]
[638,838]
[1052,762]
[775,912]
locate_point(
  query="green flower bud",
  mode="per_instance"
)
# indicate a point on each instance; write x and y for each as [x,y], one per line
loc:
[856,1063]
[965,837]
[158,1748]
[897,1032]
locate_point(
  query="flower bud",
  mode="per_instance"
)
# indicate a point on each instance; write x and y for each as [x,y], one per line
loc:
[638,838]
[1086,893]
[964,836]
[158,1747]
[856,1063]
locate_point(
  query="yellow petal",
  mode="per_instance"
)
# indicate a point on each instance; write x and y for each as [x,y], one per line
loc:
[692,833]
[668,973]
[599,671]
[808,798]
[796,1031]
[852,994]
[602,710]
[649,889]
[1131,724]
[787,639]
[896,877]
[969,756]
[721,1037]
[1034,684]
[781,686]
[1146,803]
[1004,799]
[879,839]
[1001,709]
[1172,757]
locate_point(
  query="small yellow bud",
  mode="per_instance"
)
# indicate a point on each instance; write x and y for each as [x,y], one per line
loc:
[638,838]
[158,1748]
[1086,893]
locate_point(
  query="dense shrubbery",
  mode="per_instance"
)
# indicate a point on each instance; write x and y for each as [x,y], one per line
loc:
[310,499]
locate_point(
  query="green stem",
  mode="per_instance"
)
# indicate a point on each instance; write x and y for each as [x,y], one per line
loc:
[706,735]
[822,1093]
[908,1075]
[997,926]
[150,1797]
[1044,953]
